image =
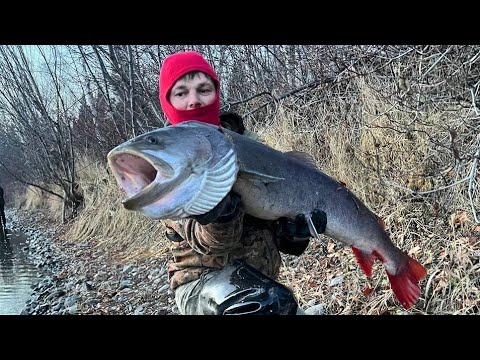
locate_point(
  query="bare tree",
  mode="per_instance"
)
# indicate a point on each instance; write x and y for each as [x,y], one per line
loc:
[87,99]
[38,122]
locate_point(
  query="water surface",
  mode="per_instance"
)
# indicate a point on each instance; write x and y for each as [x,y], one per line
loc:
[17,274]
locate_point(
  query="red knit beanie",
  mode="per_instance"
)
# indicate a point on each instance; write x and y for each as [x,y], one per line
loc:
[173,68]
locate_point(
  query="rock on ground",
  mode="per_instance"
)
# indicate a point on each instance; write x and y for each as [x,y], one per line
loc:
[78,278]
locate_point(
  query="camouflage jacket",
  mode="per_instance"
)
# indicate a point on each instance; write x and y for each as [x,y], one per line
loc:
[200,247]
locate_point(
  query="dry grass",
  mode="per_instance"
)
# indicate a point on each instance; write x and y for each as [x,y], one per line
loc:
[36,198]
[105,221]
[382,162]
[381,155]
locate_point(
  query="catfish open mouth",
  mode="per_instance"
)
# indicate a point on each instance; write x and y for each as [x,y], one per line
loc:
[142,179]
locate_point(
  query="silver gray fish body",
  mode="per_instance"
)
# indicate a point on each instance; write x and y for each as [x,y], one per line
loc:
[186,169]
[271,184]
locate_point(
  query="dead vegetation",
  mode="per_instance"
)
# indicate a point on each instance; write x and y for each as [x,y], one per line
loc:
[402,176]
[406,143]
[383,167]
[35,198]
[105,222]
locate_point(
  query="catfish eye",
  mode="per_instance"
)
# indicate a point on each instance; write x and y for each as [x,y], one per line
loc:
[151,139]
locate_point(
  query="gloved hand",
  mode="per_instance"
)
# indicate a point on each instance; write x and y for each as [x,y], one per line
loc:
[292,237]
[223,212]
[299,227]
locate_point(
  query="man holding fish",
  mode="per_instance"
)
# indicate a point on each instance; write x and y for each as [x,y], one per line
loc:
[225,262]
[232,204]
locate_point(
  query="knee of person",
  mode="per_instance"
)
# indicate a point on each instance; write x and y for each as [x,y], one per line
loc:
[272,300]
[246,291]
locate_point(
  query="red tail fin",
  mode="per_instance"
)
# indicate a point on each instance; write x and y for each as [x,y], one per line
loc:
[405,282]
[365,260]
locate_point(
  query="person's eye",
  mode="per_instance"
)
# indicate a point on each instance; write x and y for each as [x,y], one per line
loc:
[206,91]
[179,94]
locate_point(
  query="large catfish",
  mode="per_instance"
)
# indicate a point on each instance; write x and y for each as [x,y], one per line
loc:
[183,170]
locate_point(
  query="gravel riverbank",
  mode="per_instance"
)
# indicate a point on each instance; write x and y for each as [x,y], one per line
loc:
[80,279]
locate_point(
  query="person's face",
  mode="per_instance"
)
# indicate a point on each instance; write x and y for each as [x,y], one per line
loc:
[192,92]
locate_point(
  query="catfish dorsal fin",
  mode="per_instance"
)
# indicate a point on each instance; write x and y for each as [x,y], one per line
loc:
[303,157]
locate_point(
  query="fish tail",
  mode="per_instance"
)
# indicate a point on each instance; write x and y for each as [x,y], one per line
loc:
[365,260]
[405,282]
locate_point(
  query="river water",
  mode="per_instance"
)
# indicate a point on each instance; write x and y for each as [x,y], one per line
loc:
[17,274]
